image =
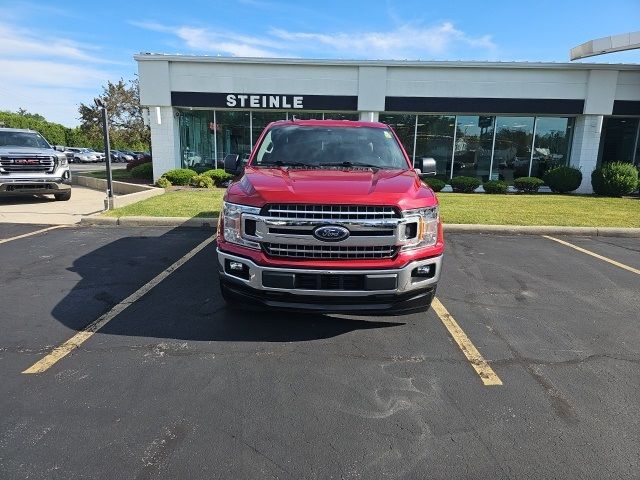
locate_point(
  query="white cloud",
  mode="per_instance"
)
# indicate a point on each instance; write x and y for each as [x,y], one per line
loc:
[408,41]
[48,75]
[404,42]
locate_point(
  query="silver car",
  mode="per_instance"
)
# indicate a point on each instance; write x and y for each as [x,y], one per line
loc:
[30,166]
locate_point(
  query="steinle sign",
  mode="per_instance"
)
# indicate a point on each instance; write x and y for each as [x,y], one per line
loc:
[265,101]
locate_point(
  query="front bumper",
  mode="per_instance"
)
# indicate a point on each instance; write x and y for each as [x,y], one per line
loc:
[14,185]
[397,290]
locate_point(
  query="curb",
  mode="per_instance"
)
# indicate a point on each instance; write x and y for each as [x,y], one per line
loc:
[181,222]
[542,230]
[176,222]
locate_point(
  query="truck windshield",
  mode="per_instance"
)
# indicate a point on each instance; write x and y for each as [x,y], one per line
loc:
[318,146]
[22,139]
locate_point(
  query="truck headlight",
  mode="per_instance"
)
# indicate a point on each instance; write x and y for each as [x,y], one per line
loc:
[232,223]
[421,228]
[63,161]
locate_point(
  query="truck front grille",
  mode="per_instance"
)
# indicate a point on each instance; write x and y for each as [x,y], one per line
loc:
[329,251]
[344,213]
[27,164]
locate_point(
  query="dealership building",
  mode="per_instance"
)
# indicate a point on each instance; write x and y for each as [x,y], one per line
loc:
[490,120]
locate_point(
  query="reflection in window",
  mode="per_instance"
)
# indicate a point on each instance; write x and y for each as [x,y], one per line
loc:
[196,142]
[304,115]
[474,138]
[552,144]
[435,140]
[512,153]
[263,118]
[404,126]
[232,134]
[341,116]
[619,140]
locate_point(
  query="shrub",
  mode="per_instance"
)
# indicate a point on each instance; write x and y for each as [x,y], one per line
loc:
[218,176]
[137,162]
[495,186]
[614,179]
[201,181]
[563,179]
[435,183]
[163,183]
[528,184]
[464,184]
[143,172]
[179,176]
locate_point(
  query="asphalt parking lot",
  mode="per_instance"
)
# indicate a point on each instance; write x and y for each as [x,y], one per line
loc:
[175,385]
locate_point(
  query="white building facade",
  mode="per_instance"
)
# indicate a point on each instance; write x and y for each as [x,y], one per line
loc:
[488,120]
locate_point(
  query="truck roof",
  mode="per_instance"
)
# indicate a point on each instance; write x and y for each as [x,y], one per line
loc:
[330,123]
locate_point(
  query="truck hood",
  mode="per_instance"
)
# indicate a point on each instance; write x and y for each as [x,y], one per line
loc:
[260,186]
[10,150]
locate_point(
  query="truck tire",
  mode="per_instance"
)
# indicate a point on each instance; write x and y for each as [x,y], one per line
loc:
[63,196]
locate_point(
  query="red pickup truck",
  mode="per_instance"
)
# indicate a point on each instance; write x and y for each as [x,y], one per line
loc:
[329,216]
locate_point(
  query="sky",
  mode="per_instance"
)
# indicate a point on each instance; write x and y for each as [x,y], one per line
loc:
[56,54]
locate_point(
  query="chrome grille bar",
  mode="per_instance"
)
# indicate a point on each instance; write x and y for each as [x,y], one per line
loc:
[329,251]
[330,212]
[10,164]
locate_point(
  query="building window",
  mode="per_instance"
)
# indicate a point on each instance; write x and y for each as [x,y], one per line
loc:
[259,120]
[552,144]
[404,126]
[196,142]
[474,140]
[619,140]
[512,151]
[434,139]
[341,116]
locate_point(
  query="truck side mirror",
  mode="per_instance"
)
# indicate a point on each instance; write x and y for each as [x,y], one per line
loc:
[231,164]
[427,167]
[59,148]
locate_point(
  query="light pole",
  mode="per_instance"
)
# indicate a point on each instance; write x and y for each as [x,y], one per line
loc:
[107,151]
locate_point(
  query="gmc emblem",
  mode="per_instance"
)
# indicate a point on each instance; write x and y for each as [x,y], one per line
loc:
[27,161]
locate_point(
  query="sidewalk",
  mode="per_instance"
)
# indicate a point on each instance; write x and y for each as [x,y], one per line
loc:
[46,211]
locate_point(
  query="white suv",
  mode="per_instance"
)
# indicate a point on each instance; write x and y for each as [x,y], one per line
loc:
[30,166]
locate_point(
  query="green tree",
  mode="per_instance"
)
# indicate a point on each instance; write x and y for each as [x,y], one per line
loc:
[126,126]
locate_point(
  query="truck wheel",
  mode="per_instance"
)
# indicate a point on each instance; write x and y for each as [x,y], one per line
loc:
[63,196]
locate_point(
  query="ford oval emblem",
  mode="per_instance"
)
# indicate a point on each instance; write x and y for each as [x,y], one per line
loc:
[330,233]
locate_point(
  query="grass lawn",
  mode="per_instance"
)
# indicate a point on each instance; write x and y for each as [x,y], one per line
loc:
[176,203]
[542,209]
[121,174]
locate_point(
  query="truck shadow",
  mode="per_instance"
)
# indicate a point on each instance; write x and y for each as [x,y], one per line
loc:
[187,304]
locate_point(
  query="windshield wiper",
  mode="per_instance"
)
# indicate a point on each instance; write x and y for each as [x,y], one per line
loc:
[351,165]
[280,163]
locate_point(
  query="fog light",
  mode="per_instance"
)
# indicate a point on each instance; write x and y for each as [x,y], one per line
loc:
[424,271]
[237,269]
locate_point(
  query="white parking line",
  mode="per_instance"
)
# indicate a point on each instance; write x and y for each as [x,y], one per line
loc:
[25,235]
[595,255]
[83,335]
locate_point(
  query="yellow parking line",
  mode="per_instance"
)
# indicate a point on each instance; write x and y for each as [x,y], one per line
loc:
[24,235]
[479,364]
[82,336]
[593,254]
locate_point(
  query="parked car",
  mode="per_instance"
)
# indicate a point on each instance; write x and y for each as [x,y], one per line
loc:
[101,156]
[82,155]
[329,216]
[30,166]
[119,156]
[133,155]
